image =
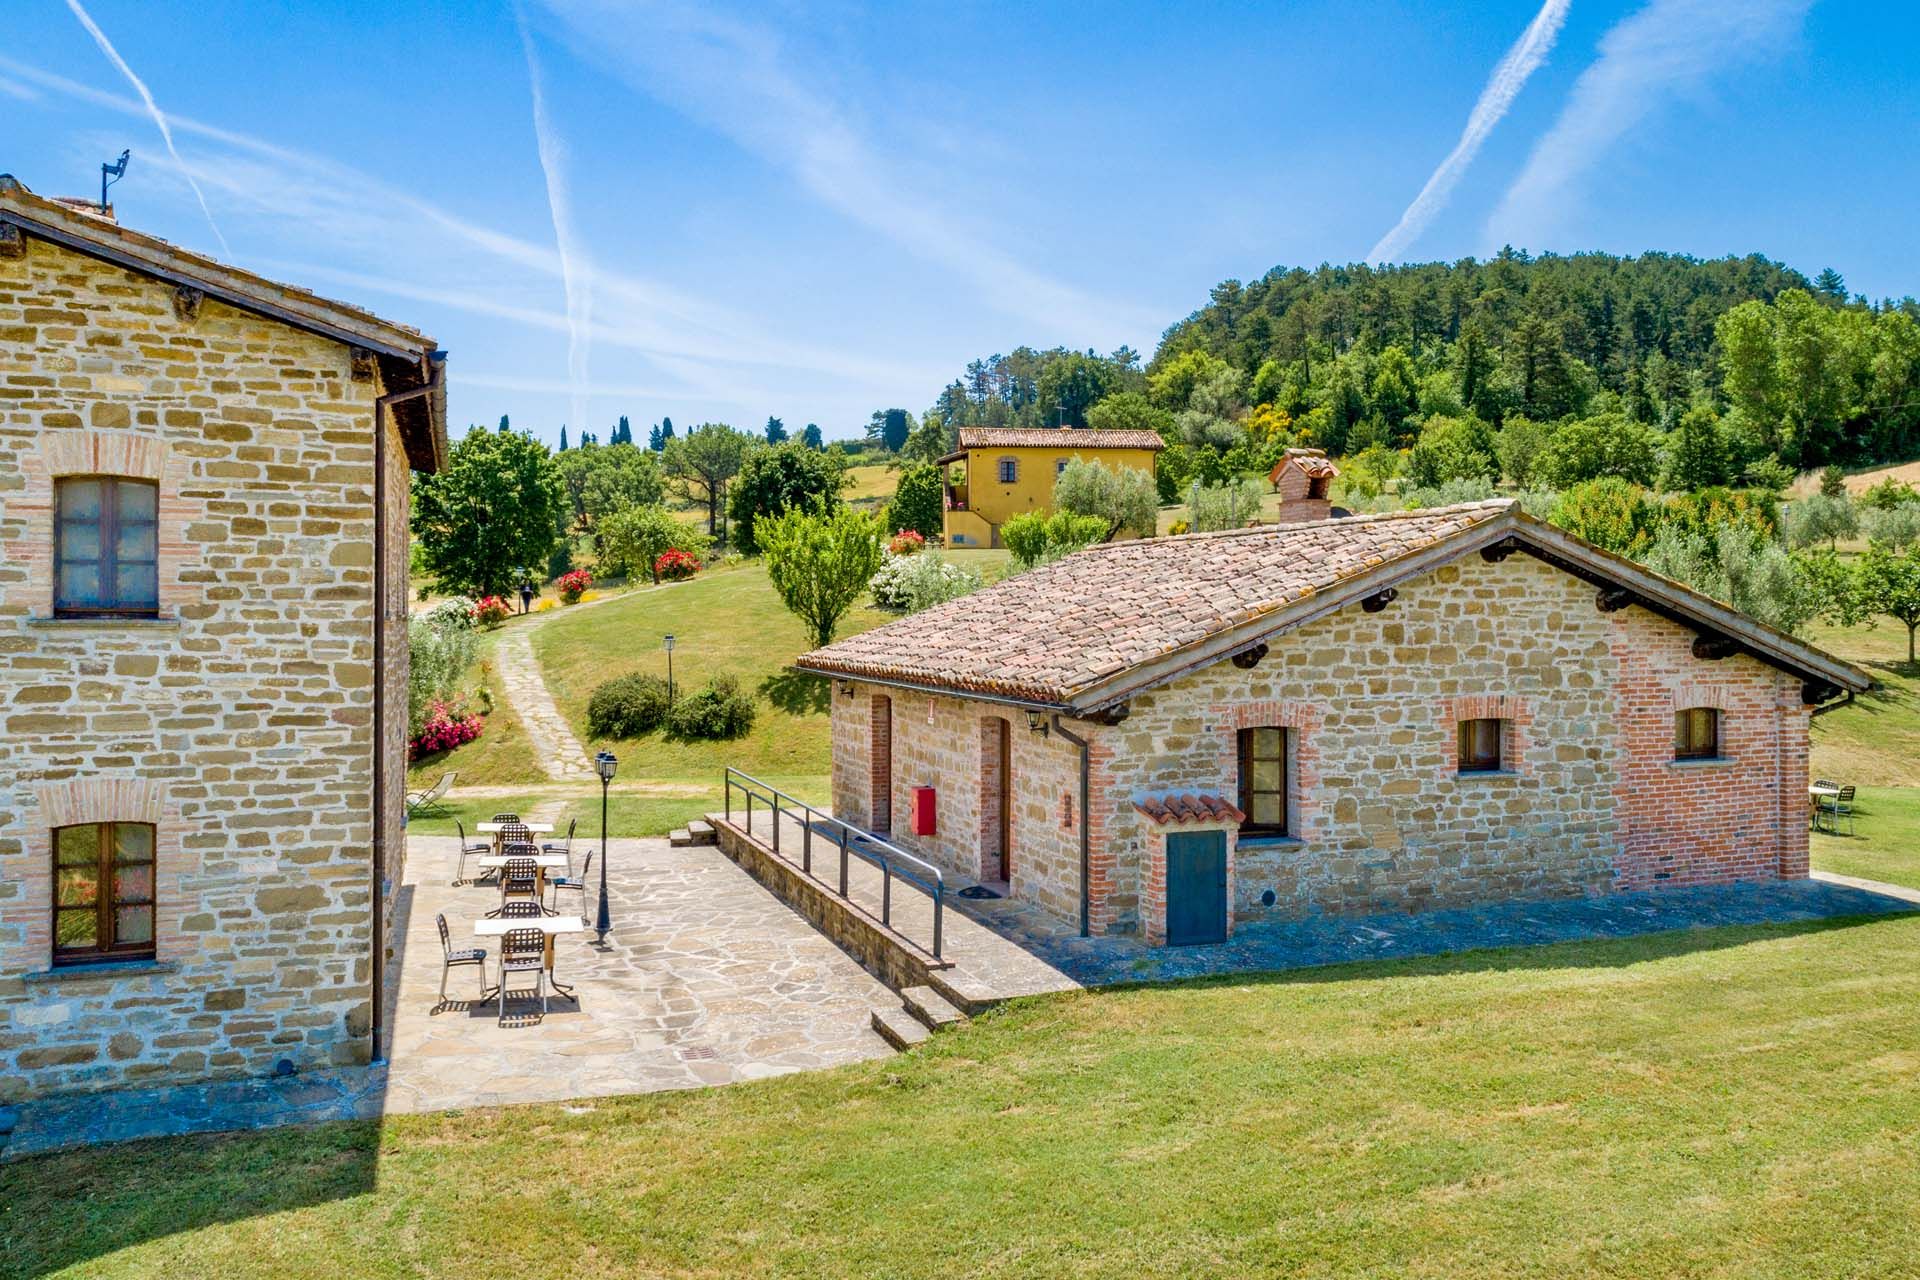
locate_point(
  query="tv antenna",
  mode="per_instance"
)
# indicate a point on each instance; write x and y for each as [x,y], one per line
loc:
[112,173]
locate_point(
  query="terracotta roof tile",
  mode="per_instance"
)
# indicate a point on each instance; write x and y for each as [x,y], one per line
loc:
[1188,807]
[1044,635]
[1064,438]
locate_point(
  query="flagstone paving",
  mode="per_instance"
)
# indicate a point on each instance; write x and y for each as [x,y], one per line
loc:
[706,979]
[555,748]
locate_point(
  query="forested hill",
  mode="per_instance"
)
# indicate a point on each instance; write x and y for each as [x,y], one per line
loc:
[1613,314]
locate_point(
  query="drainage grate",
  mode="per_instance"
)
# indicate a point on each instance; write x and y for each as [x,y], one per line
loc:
[978,891]
[696,1052]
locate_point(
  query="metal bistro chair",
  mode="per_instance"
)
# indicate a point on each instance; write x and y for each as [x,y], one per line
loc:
[520,878]
[476,849]
[1839,808]
[564,847]
[523,951]
[573,884]
[475,956]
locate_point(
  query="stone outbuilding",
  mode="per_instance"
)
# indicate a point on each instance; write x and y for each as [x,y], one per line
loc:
[203,659]
[1392,712]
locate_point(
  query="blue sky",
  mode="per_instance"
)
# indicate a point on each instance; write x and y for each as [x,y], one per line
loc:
[816,210]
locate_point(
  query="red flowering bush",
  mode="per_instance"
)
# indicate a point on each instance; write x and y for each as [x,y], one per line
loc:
[906,542]
[491,611]
[447,726]
[574,585]
[675,566]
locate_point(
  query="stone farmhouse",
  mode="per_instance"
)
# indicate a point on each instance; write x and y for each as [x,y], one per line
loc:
[1381,713]
[1010,471]
[203,515]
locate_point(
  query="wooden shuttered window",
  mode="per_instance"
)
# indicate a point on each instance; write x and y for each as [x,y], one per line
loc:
[1265,796]
[103,892]
[106,547]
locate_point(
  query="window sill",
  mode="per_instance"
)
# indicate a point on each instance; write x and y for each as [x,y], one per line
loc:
[104,623]
[1706,762]
[111,969]
[1469,775]
[1269,842]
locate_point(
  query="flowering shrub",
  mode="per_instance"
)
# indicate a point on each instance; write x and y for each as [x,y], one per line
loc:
[491,611]
[906,542]
[908,584]
[675,566]
[574,585]
[447,725]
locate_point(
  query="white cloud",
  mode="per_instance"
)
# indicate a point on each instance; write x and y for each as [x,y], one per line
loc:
[1664,49]
[575,274]
[1503,86]
[153,111]
[355,215]
[735,77]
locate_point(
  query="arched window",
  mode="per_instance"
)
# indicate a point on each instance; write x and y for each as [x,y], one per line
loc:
[1696,734]
[106,546]
[103,892]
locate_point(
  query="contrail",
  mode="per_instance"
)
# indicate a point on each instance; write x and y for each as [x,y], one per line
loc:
[153,109]
[1667,48]
[1503,86]
[574,275]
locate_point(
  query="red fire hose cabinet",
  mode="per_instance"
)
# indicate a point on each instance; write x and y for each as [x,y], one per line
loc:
[923,811]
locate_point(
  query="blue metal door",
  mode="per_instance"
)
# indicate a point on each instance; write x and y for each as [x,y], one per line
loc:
[1196,887]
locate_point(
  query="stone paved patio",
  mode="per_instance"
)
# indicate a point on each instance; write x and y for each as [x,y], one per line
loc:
[707,979]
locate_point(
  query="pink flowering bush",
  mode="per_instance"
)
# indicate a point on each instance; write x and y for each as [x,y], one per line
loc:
[447,725]
[574,585]
[675,566]
[906,542]
[491,611]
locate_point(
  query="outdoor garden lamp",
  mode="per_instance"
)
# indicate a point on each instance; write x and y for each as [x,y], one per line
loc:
[604,764]
[666,642]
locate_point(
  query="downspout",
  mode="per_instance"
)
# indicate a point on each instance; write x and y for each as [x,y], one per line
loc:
[1086,838]
[382,406]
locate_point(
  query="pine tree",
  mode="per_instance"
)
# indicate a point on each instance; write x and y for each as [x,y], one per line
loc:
[776,430]
[503,422]
[654,440]
[1831,285]
[811,437]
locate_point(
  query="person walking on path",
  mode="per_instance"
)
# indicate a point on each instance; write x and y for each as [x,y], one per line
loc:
[526,592]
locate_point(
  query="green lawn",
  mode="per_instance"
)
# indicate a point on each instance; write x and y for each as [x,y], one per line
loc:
[501,755]
[1875,741]
[1709,1103]
[1885,844]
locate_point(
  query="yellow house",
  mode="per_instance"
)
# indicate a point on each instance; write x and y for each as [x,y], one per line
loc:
[1010,471]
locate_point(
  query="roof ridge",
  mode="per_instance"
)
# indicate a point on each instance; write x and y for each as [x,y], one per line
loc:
[1344,522]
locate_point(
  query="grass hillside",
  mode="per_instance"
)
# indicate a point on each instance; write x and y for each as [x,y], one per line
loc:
[1732,1102]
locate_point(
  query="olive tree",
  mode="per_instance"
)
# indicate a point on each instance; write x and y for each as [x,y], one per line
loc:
[820,562]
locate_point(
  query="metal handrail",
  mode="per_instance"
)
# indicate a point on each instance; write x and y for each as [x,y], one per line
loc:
[933,881]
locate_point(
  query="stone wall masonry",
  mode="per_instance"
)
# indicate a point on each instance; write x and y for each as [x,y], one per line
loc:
[937,741]
[245,713]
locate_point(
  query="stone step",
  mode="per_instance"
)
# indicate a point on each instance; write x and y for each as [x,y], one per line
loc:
[681,839]
[931,1008]
[701,832]
[957,988]
[900,1029]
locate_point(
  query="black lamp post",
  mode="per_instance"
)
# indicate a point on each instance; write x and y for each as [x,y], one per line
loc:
[604,764]
[667,642]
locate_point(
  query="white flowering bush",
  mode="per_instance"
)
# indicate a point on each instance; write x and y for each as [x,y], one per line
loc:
[910,583]
[440,648]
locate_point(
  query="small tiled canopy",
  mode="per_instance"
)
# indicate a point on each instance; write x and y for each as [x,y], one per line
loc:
[1189,807]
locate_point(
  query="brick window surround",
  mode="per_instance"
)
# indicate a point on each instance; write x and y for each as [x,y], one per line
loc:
[1516,730]
[1302,721]
[111,453]
[74,802]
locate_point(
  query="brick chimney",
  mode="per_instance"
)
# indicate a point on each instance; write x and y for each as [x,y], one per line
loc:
[1304,479]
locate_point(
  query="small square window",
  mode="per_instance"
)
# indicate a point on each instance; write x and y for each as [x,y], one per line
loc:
[106,542]
[103,892]
[1696,734]
[1480,745]
[1009,470]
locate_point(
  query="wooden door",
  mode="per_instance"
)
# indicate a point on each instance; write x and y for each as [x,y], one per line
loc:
[1004,767]
[1196,887]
